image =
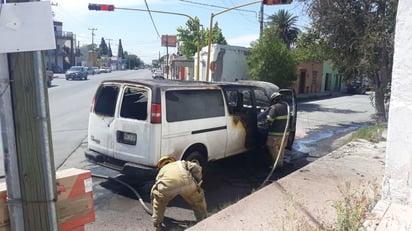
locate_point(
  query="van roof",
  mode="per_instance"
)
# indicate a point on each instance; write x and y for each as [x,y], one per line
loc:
[174,83]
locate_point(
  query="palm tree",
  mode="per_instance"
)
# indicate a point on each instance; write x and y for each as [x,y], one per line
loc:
[285,23]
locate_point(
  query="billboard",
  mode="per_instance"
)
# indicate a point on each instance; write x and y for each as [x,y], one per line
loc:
[169,40]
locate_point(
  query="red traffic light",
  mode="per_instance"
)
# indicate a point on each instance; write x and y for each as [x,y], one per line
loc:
[103,7]
[276,2]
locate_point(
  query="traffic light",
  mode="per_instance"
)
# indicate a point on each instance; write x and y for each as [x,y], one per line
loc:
[276,2]
[103,7]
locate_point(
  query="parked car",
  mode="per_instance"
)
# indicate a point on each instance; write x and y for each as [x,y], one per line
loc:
[76,72]
[158,74]
[91,71]
[50,76]
[187,120]
[96,70]
[105,70]
[356,87]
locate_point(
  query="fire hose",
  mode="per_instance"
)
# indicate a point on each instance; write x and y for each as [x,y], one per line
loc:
[280,149]
[127,186]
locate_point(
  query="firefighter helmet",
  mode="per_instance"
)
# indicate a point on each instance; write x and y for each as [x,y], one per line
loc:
[275,96]
[165,160]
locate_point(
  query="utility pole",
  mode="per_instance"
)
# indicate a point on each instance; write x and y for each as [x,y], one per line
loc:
[26,141]
[261,20]
[94,56]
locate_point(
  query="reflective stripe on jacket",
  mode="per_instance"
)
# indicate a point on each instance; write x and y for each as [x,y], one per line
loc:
[277,118]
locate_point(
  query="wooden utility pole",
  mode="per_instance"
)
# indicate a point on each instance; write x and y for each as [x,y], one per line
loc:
[29,167]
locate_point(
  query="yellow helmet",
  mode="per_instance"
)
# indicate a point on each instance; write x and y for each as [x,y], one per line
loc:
[164,160]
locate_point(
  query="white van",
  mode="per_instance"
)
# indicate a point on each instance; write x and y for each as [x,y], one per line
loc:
[133,123]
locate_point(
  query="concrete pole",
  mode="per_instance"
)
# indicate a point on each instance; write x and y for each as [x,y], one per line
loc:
[397,184]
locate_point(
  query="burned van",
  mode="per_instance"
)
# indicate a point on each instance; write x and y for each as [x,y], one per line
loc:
[133,123]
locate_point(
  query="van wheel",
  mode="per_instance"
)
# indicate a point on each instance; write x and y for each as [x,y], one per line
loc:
[198,158]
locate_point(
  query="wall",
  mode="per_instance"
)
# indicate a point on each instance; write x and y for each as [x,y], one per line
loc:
[306,82]
[397,185]
[331,80]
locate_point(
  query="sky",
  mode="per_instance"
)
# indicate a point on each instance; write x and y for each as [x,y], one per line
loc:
[142,37]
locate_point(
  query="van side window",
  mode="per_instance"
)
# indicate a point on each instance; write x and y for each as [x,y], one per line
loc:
[247,99]
[134,104]
[193,104]
[232,97]
[262,100]
[105,102]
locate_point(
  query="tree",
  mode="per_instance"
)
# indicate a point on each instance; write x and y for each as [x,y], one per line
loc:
[188,37]
[270,60]
[103,50]
[359,35]
[285,24]
[110,54]
[132,61]
[217,36]
[120,53]
[309,47]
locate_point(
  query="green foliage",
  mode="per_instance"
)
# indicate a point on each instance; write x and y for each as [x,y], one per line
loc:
[132,61]
[359,36]
[189,37]
[309,47]
[120,52]
[270,60]
[103,49]
[284,23]
[217,36]
[355,205]
[372,133]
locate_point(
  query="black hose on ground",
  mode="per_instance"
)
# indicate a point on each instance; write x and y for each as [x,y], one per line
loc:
[129,187]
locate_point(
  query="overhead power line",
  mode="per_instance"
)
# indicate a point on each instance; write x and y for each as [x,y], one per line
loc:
[151,18]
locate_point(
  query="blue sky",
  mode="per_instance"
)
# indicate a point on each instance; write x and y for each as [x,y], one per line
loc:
[138,34]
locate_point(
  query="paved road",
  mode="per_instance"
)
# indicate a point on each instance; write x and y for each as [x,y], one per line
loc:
[229,180]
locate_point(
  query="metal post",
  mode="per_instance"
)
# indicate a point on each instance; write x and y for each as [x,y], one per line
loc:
[8,148]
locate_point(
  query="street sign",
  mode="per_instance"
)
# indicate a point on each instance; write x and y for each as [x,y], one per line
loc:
[27,20]
[169,40]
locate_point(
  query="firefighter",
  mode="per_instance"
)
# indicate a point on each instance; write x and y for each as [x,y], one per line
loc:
[277,118]
[182,178]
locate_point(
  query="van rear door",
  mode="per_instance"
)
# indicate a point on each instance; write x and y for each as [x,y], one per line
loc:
[101,119]
[289,95]
[133,132]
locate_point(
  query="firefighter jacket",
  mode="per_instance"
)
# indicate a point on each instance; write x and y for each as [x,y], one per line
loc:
[277,118]
[178,178]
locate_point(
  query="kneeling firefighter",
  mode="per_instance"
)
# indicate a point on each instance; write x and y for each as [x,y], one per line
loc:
[278,119]
[182,178]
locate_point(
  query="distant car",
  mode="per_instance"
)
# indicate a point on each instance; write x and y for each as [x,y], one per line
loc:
[105,70]
[91,71]
[50,76]
[356,87]
[158,75]
[76,72]
[96,70]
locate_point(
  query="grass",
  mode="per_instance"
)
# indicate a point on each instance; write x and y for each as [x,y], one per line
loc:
[374,133]
[354,207]
[351,211]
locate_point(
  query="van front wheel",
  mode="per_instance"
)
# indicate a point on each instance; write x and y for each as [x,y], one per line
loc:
[198,158]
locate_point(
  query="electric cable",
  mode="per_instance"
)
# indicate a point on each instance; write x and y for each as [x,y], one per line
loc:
[281,147]
[151,18]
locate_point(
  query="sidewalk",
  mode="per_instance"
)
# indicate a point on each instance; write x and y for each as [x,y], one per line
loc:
[305,199]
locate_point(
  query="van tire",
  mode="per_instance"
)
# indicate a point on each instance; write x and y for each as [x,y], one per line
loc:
[197,157]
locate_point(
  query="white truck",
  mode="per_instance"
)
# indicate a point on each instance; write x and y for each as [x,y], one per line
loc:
[227,63]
